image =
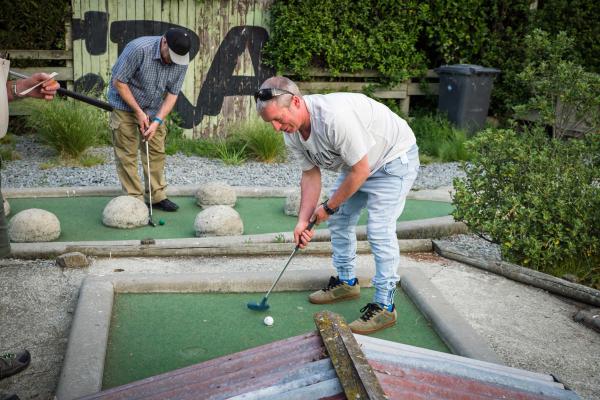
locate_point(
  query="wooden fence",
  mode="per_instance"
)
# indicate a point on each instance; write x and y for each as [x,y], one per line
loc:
[226,66]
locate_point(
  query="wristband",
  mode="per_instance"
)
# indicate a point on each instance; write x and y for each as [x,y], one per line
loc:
[328,210]
[156,119]
[15,92]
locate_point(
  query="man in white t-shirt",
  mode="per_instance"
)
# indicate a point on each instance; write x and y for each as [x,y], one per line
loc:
[376,153]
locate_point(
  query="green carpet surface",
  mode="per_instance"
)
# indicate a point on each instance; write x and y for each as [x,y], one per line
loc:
[81,217]
[152,333]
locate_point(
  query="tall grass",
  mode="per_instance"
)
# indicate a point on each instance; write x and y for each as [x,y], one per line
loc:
[253,139]
[263,143]
[438,139]
[69,127]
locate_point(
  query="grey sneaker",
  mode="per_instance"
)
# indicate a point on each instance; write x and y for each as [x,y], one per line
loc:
[335,291]
[374,319]
[11,363]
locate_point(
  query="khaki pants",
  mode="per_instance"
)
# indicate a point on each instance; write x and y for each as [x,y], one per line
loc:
[126,141]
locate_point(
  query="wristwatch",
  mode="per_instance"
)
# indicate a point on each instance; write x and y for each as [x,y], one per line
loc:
[329,210]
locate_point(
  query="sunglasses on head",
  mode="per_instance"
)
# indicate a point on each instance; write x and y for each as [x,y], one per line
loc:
[267,94]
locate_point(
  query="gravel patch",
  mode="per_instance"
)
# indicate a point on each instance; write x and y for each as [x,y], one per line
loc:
[180,170]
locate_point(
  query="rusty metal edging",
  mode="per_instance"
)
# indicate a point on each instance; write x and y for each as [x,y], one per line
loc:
[351,366]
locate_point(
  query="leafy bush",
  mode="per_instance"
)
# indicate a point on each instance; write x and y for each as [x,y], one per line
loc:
[69,127]
[347,36]
[260,140]
[17,31]
[576,18]
[437,138]
[538,198]
[563,94]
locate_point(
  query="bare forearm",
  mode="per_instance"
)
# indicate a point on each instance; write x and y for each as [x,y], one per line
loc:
[310,186]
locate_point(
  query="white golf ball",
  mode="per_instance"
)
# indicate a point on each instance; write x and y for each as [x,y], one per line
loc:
[268,321]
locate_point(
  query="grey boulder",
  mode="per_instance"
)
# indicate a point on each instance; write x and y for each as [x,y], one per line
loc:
[34,225]
[125,212]
[216,194]
[218,221]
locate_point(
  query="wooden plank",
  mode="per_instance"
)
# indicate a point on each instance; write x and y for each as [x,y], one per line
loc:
[351,365]
[39,54]
[415,89]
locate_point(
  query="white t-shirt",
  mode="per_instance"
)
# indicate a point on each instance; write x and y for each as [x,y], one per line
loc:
[4,67]
[344,128]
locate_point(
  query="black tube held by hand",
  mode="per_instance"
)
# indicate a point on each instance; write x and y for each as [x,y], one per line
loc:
[86,99]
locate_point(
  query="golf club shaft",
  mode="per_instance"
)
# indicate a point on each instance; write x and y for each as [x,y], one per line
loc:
[149,184]
[309,227]
[77,96]
[282,271]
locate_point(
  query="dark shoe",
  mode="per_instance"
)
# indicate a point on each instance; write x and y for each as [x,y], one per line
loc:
[166,205]
[11,363]
[374,319]
[335,291]
[8,396]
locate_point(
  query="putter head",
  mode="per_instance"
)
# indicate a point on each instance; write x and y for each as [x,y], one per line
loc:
[262,306]
[151,223]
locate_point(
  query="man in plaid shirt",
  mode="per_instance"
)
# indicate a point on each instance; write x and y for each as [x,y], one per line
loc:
[146,80]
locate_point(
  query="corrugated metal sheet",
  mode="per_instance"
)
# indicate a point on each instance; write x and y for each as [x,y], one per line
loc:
[298,368]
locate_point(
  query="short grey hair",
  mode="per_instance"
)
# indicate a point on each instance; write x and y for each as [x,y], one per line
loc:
[278,82]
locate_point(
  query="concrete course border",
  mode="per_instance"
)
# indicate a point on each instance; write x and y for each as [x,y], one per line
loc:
[83,366]
[528,276]
[414,235]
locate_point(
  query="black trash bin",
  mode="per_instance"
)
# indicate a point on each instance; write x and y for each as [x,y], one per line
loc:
[464,94]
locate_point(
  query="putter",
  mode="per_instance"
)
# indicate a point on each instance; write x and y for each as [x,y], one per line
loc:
[150,222]
[77,96]
[262,306]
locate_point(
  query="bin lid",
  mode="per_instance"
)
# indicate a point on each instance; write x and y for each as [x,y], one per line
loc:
[466,69]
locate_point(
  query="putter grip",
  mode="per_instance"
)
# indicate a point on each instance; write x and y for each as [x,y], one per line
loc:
[309,227]
[85,99]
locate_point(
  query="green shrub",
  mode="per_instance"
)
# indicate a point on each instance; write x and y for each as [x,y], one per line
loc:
[69,127]
[262,142]
[562,93]
[576,18]
[437,138]
[538,198]
[346,36]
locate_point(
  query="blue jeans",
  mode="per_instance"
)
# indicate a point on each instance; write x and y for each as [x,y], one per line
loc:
[384,194]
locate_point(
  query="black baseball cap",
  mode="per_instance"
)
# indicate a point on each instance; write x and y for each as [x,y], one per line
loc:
[179,43]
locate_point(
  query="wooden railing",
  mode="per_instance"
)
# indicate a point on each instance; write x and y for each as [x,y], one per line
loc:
[322,82]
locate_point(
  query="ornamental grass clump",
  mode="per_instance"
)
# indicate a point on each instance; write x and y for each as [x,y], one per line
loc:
[69,127]
[260,140]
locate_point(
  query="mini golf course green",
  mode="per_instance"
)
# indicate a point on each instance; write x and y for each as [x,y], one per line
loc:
[81,217]
[152,333]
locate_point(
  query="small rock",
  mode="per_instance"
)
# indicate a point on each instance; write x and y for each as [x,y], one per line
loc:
[589,318]
[34,225]
[215,194]
[218,221]
[73,260]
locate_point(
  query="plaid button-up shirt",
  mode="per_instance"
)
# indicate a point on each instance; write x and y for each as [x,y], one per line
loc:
[142,69]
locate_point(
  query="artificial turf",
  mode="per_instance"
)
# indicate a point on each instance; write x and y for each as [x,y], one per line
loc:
[152,333]
[81,217]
